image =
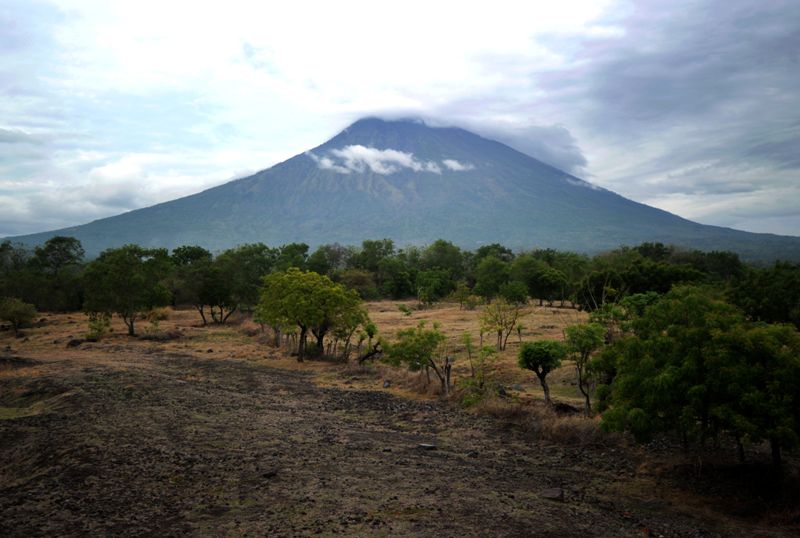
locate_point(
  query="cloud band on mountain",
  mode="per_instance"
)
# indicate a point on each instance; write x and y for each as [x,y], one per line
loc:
[358,158]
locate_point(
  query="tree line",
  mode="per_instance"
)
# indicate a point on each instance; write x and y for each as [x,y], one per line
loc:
[695,344]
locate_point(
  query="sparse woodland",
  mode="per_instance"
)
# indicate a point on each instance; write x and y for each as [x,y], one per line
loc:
[695,346]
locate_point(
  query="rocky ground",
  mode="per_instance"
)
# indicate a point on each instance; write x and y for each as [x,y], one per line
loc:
[151,442]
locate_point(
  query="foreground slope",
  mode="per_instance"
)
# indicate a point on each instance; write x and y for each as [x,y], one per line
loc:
[204,436]
[414,183]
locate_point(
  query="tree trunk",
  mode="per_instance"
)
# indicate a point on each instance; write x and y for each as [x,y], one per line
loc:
[130,321]
[505,339]
[231,311]
[202,310]
[546,389]
[740,449]
[277,340]
[587,411]
[775,447]
[301,345]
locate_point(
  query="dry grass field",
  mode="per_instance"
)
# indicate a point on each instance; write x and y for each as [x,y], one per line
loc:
[192,430]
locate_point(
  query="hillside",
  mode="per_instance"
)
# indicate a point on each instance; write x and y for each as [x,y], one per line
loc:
[413,183]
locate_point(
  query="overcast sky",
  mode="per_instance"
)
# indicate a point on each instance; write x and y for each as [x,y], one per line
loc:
[690,106]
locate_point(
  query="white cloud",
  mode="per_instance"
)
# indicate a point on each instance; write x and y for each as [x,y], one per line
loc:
[380,161]
[358,158]
[326,163]
[454,165]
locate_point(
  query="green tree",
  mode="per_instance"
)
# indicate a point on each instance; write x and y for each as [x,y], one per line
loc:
[771,294]
[54,274]
[17,312]
[420,348]
[755,374]
[126,281]
[360,280]
[501,317]
[582,340]
[190,279]
[444,256]
[663,370]
[542,357]
[514,292]
[490,275]
[237,273]
[311,302]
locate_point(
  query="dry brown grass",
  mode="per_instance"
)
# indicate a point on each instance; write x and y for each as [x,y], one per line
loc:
[180,331]
[539,322]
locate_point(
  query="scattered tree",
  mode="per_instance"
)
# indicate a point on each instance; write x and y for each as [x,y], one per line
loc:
[126,281]
[582,340]
[542,357]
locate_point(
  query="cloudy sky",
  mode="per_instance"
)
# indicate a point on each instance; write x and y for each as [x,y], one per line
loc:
[690,106]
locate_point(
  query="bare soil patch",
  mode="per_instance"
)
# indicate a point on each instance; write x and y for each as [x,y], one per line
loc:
[214,433]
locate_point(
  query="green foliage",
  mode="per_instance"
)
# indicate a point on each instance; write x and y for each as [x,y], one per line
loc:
[694,367]
[500,317]
[461,293]
[19,313]
[99,325]
[404,309]
[415,348]
[754,377]
[446,257]
[583,340]
[127,281]
[599,288]
[51,278]
[238,271]
[361,281]
[372,253]
[514,292]
[310,302]
[432,286]
[542,357]
[771,294]
[490,275]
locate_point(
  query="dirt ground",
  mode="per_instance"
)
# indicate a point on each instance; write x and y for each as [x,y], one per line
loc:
[214,433]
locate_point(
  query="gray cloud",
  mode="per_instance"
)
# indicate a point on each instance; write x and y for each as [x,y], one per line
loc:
[699,98]
[15,136]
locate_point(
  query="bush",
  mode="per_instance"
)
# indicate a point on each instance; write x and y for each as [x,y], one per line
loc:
[17,312]
[99,325]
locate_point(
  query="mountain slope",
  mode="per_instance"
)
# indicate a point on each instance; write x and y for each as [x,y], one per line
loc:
[413,183]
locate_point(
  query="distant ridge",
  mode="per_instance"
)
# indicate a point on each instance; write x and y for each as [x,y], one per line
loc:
[413,183]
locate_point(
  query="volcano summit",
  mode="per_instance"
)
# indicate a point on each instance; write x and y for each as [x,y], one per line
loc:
[413,183]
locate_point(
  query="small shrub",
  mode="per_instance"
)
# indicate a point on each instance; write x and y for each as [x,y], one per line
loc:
[18,313]
[472,302]
[99,325]
[155,316]
[404,309]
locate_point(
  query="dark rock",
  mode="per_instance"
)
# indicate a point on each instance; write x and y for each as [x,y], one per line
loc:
[553,494]
[565,409]
[75,342]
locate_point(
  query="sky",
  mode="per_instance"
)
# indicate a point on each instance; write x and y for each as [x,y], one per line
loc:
[689,106]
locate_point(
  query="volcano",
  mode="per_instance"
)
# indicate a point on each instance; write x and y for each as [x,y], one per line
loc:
[413,183]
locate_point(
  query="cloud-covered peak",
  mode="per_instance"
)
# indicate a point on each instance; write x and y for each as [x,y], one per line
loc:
[358,158]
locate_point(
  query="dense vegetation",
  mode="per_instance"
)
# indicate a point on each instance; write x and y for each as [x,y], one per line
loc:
[686,343]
